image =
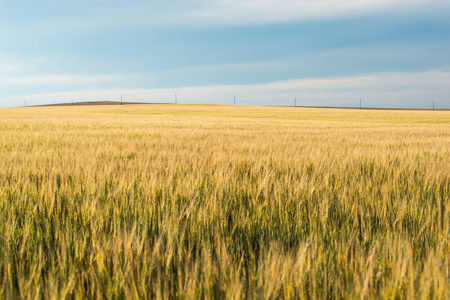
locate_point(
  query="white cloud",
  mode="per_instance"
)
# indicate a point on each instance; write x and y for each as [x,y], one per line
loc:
[401,89]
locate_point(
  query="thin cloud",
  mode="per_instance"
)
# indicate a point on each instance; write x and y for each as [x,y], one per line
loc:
[65,80]
[249,12]
[394,89]
[11,65]
[175,13]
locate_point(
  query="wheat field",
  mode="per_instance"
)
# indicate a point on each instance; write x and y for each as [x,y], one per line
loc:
[224,202]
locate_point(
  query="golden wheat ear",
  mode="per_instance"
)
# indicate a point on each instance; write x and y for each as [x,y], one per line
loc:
[223,202]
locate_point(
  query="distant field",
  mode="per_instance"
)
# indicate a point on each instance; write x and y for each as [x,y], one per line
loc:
[89,103]
[225,202]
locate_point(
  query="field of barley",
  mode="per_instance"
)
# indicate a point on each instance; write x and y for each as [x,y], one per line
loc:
[224,202]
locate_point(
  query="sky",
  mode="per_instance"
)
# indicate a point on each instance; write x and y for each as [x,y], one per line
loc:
[386,53]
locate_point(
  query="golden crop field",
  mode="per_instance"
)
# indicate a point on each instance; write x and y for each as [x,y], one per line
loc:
[224,202]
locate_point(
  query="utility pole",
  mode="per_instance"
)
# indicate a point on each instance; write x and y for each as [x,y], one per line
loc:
[121,100]
[234,100]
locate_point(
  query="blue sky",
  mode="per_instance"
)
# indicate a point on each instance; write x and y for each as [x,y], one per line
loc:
[323,52]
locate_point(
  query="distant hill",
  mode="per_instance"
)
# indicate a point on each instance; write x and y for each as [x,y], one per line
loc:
[94,103]
[133,103]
